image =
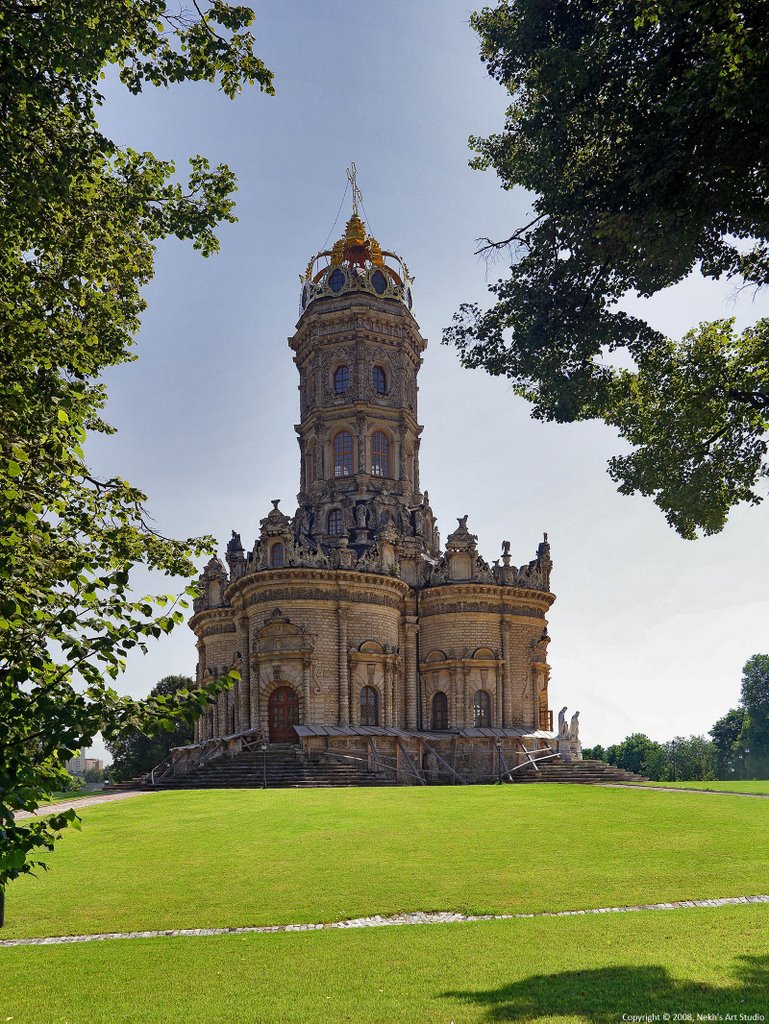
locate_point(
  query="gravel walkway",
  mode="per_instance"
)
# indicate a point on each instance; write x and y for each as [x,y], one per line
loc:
[682,789]
[86,801]
[419,917]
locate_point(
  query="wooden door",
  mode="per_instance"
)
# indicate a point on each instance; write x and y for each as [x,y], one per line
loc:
[283,715]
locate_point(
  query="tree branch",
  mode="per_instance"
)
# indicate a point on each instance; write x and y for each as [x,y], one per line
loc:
[517,236]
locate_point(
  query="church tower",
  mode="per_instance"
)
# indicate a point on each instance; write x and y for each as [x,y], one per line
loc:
[355,633]
[358,351]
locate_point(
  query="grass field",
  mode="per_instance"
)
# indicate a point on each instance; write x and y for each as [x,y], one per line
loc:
[226,858]
[64,795]
[243,857]
[573,969]
[718,786]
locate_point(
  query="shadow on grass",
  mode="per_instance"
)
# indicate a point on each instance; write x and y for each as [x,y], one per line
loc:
[603,995]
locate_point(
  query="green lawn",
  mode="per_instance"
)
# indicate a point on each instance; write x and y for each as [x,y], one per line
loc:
[229,857]
[729,786]
[579,969]
[73,794]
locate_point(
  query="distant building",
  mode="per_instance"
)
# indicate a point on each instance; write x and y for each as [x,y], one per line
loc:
[79,764]
[76,764]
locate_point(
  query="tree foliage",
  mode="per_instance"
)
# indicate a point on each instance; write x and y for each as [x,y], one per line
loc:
[726,733]
[753,741]
[134,753]
[79,221]
[639,130]
[683,758]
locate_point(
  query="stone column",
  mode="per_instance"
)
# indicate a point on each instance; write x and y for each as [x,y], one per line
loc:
[387,702]
[306,665]
[457,720]
[410,654]
[362,465]
[499,717]
[221,714]
[244,716]
[344,678]
[465,690]
[254,708]
[507,675]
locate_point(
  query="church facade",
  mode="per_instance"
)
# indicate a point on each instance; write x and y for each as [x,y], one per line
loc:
[356,632]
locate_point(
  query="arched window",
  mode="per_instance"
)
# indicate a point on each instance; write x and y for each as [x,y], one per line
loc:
[369,706]
[343,454]
[482,709]
[439,718]
[277,556]
[341,379]
[378,380]
[380,454]
[335,522]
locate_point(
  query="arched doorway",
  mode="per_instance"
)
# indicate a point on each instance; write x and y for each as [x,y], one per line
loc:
[283,713]
[369,706]
[482,709]
[439,718]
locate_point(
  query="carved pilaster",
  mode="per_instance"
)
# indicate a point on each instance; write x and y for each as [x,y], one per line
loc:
[244,703]
[306,666]
[464,675]
[411,628]
[344,670]
[500,712]
[507,687]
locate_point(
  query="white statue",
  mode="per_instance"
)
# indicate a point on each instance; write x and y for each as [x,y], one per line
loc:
[574,727]
[563,729]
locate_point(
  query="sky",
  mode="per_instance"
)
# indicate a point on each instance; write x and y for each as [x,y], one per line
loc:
[649,632]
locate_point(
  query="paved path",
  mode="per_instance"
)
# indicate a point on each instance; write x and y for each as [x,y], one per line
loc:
[682,789]
[419,917]
[86,801]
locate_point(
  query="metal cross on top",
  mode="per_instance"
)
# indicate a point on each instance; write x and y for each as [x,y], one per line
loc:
[357,195]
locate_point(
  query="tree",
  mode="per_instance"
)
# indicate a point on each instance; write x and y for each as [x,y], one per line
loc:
[134,753]
[636,753]
[638,130]
[690,759]
[79,221]
[596,753]
[753,741]
[726,732]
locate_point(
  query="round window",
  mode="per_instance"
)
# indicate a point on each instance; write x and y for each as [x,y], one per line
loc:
[379,282]
[336,280]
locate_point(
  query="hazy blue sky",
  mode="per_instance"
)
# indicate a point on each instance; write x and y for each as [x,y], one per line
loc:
[649,631]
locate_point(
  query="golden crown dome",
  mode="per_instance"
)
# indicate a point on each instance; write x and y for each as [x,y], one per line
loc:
[356,261]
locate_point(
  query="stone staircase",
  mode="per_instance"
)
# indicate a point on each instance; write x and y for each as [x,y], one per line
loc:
[281,766]
[589,773]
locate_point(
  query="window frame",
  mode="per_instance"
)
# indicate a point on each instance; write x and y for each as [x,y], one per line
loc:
[277,551]
[378,371]
[373,704]
[380,457]
[343,369]
[335,516]
[482,708]
[344,464]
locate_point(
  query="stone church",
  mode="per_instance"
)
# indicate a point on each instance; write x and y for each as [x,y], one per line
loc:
[356,632]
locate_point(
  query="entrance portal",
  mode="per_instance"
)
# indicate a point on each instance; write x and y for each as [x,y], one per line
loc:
[283,715]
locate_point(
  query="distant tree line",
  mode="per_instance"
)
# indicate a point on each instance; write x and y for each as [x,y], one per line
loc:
[738,747]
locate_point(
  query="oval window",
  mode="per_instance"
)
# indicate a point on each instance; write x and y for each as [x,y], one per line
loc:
[336,280]
[379,282]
